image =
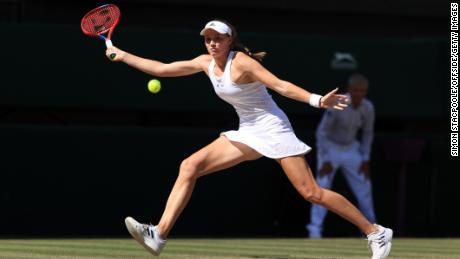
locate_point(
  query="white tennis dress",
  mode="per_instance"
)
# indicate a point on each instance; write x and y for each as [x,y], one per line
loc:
[263,125]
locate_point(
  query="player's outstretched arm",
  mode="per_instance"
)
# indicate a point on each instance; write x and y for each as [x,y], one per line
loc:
[157,68]
[288,89]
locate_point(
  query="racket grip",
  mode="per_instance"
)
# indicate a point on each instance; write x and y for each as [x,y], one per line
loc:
[109,44]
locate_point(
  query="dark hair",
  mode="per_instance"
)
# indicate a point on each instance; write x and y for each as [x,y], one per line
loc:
[238,46]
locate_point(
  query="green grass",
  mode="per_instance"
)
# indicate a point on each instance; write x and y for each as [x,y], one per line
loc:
[224,248]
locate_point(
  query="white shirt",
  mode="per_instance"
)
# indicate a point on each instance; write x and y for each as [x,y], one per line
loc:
[341,128]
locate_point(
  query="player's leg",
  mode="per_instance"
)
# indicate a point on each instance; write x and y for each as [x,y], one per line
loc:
[317,212]
[220,154]
[300,175]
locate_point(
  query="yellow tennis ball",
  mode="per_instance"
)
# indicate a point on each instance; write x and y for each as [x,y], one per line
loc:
[154,86]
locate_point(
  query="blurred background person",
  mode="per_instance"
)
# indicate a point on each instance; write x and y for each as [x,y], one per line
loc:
[340,146]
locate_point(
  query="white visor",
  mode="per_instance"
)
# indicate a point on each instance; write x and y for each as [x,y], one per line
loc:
[218,26]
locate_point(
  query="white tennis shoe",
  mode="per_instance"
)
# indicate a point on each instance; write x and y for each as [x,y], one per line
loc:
[146,235]
[380,242]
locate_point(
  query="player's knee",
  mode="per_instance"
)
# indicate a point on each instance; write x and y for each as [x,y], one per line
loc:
[312,194]
[189,169]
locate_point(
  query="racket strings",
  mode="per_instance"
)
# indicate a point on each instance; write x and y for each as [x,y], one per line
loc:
[101,19]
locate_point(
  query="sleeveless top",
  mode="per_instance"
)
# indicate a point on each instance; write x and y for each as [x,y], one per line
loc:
[263,125]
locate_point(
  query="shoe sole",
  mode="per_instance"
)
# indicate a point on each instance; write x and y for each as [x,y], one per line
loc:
[130,225]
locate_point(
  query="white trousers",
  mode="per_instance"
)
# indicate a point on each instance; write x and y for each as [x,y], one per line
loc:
[348,159]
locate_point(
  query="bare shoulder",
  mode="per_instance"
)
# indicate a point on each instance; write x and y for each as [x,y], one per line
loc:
[203,59]
[202,62]
[244,62]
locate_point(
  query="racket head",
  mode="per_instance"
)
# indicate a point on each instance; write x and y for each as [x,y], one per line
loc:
[101,20]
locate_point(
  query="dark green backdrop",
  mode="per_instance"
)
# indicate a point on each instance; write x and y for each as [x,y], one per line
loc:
[84,144]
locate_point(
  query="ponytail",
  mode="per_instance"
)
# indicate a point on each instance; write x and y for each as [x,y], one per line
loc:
[240,47]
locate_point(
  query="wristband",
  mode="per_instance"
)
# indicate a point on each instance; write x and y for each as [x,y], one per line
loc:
[315,100]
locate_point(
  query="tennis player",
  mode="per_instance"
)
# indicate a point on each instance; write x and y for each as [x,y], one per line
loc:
[264,130]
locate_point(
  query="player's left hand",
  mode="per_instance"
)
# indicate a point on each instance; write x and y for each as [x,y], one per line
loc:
[333,100]
[365,169]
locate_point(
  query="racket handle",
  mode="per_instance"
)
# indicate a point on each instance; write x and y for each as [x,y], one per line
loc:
[109,44]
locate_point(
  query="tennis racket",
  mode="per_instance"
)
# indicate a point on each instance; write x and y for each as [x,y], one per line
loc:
[101,20]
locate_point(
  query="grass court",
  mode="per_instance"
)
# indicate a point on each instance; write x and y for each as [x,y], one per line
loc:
[225,248]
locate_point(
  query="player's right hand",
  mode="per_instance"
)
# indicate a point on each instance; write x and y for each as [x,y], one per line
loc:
[119,54]
[325,169]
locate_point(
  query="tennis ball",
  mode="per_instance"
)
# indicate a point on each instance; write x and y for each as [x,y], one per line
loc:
[154,86]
